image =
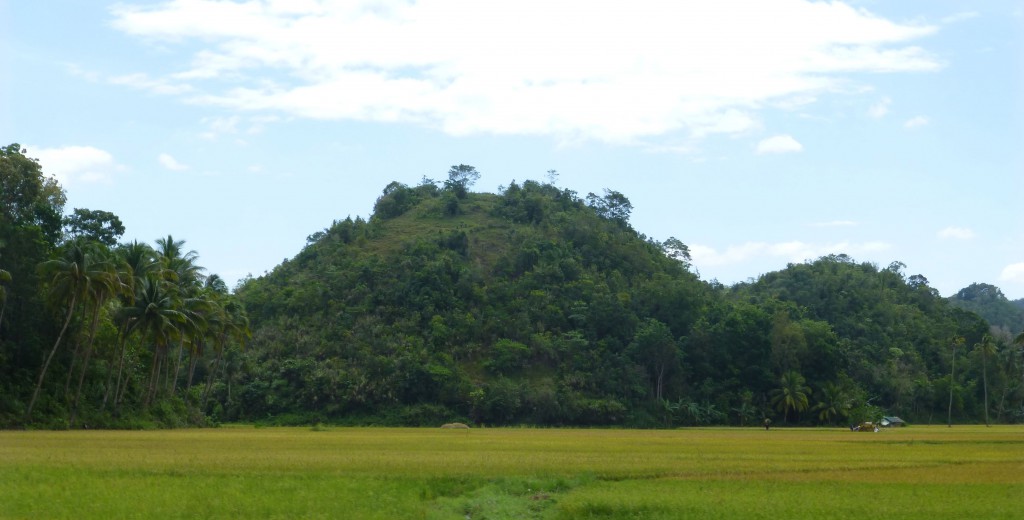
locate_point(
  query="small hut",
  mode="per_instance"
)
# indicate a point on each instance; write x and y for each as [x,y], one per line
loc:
[890,421]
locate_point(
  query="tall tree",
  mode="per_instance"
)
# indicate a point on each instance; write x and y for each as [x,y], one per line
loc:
[957,341]
[232,325]
[654,348]
[155,315]
[986,348]
[27,197]
[613,206]
[180,265]
[136,262]
[102,226]
[460,179]
[103,285]
[31,205]
[69,278]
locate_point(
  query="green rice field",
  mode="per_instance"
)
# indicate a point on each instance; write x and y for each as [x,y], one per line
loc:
[246,472]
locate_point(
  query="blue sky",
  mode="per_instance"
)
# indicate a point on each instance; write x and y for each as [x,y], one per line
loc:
[757,132]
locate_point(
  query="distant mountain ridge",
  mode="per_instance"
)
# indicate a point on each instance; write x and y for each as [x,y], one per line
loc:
[989,302]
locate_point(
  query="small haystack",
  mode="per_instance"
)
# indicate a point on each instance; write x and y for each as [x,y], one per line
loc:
[456,426]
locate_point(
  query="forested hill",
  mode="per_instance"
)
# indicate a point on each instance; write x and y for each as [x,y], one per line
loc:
[539,306]
[990,303]
[534,305]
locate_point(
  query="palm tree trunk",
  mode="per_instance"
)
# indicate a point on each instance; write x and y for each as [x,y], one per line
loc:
[154,373]
[984,378]
[193,359]
[177,367]
[1002,402]
[110,376]
[46,364]
[952,375]
[209,377]
[122,384]
[85,363]
[661,381]
[71,370]
[166,366]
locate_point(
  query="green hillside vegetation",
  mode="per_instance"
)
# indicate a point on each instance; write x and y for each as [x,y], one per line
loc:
[534,305]
[989,302]
[539,306]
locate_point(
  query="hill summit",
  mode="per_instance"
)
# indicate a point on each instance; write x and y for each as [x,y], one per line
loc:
[537,305]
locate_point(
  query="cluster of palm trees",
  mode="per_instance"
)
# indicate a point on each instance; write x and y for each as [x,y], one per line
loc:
[793,395]
[162,307]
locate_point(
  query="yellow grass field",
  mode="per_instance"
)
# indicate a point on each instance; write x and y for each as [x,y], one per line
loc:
[246,472]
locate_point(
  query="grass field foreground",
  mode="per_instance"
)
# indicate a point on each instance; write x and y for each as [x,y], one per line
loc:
[916,472]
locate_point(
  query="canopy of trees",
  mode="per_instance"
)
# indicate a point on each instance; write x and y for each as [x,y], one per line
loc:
[94,333]
[536,305]
[533,305]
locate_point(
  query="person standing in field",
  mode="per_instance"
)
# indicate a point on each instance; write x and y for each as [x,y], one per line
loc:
[767,423]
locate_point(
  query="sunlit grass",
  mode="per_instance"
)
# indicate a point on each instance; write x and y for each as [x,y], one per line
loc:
[914,472]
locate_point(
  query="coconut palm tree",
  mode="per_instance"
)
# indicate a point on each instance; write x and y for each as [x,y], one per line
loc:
[986,348]
[139,259]
[215,292]
[835,403]
[155,315]
[233,327]
[185,275]
[195,312]
[791,395]
[957,341]
[69,278]
[103,286]
[180,265]
[136,262]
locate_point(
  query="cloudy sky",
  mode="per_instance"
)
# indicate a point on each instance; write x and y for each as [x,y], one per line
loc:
[757,132]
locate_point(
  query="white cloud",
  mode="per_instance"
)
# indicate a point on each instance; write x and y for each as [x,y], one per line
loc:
[70,164]
[880,109]
[171,163]
[795,102]
[574,69]
[835,223]
[1013,273]
[779,144]
[158,85]
[959,17]
[794,251]
[916,122]
[220,126]
[959,233]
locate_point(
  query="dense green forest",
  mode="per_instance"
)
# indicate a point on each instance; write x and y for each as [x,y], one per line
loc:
[537,305]
[534,305]
[94,333]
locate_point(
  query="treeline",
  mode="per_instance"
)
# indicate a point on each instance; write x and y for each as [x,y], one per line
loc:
[96,333]
[539,306]
[531,306]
